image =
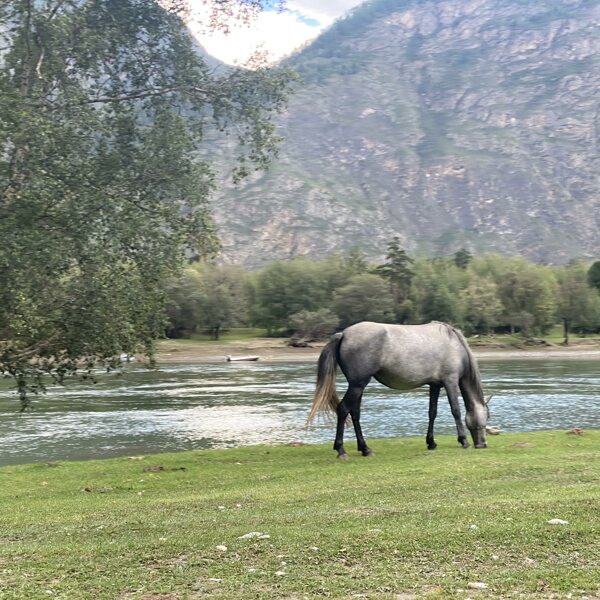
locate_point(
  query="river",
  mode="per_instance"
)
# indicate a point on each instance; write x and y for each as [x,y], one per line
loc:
[184,407]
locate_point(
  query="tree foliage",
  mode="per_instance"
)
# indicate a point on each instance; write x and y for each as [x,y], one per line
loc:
[397,269]
[103,109]
[206,298]
[462,258]
[307,326]
[593,275]
[307,298]
[364,298]
[578,304]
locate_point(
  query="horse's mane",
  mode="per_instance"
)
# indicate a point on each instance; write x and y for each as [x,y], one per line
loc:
[473,368]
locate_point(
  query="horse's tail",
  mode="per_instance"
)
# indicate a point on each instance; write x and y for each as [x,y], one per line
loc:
[326,397]
[472,371]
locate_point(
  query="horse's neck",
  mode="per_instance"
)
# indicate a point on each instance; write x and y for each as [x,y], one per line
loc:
[472,393]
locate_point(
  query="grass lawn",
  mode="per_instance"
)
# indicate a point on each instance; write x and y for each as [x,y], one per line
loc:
[406,524]
[235,334]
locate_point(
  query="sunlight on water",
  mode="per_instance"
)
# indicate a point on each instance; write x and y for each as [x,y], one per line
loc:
[186,407]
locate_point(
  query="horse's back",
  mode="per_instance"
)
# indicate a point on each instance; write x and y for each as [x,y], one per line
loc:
[361,350]
[401,356]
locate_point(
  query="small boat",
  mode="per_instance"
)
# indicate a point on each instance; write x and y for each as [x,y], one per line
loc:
[241,358]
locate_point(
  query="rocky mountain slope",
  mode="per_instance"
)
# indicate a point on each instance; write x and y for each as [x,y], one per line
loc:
[449,123]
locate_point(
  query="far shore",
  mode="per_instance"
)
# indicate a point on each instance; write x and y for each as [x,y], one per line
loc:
[277,351]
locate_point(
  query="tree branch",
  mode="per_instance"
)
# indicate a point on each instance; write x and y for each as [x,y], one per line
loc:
[134,95]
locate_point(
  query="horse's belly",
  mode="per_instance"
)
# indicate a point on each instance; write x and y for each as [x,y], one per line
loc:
[392,380]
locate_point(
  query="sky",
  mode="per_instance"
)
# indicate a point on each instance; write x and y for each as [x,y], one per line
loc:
[276,33]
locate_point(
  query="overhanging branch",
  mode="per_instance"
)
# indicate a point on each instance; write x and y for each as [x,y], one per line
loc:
[134,95]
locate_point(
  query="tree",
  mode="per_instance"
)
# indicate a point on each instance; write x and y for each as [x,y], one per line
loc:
[103,108]
[528,295]
[224,302]
[365,298]
[578,304]
[338,268]
[206,297]
[593,275]
[462,258]
[435,291]
[184,304]
[482,307]
[286,288]
[355,261]
[397,270]
[316,325]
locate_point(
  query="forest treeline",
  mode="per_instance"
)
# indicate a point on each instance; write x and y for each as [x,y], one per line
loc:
[309,299]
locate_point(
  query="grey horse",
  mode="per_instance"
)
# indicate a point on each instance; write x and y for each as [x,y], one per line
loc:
[402,357]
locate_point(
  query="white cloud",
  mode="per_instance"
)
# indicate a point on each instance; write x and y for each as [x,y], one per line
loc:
[324,12]
[276,33]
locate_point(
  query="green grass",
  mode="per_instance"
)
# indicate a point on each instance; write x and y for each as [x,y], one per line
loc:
[407,523]
[555,336]
[234,334]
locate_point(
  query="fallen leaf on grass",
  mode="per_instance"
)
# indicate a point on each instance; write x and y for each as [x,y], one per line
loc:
[557,522]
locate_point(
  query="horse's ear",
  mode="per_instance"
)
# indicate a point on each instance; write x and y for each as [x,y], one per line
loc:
[487,399]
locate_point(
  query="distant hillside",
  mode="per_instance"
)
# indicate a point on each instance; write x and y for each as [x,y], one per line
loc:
[449,123]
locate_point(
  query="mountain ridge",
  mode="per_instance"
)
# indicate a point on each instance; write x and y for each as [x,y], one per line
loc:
[448,123]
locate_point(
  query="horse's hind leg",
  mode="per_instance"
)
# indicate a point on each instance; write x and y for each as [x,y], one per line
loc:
[434,394]
[452,391]
[360,440]
[350,405]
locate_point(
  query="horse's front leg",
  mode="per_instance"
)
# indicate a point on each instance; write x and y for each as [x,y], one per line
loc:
[434,394]
[452,391]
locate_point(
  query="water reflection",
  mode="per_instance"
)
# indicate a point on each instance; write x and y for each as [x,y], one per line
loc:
[198,406]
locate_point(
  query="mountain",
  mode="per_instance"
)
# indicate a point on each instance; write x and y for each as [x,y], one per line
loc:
[449,123]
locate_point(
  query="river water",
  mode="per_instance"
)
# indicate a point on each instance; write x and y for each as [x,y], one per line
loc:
[184,407]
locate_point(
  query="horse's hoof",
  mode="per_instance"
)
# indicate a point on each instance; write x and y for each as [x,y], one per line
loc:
[484,445]
[431,446]
[343,456]
[368,452]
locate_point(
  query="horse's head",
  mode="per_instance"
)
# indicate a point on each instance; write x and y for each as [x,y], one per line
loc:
[476,420]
